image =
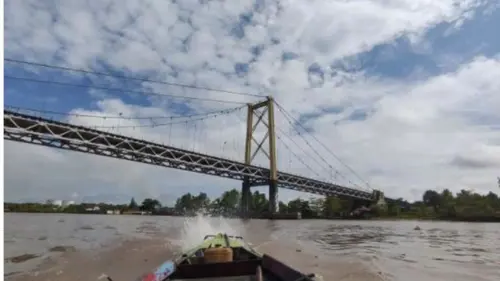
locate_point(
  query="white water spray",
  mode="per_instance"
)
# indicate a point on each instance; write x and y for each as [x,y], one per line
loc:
[195,229]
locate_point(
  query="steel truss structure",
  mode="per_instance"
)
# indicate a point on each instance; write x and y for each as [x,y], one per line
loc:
[34,130]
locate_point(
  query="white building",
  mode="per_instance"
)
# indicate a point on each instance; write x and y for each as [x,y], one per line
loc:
[93,209]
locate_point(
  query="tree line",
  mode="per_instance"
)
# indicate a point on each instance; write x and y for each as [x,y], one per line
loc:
[464,205]
[147,205]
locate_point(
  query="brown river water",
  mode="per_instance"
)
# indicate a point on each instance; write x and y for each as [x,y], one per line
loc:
[91,247]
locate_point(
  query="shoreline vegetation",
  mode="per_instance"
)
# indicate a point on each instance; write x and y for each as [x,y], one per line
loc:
[464,206]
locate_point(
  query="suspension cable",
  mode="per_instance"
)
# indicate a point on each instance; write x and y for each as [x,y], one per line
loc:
[127,77]
[148,93]
[312,148]
[289,118]
[296,156]
[291,151]
[303,150]
[153,124]
[41,111]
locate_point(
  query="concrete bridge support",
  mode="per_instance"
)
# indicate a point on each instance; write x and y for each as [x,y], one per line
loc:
[378,198]
[273,197]
[357,207]
[259,110]
[357,204]
[245,198]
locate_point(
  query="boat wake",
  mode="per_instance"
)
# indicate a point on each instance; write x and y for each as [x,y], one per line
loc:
[195,229]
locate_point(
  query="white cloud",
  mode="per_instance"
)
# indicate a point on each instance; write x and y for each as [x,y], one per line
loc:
[410,142]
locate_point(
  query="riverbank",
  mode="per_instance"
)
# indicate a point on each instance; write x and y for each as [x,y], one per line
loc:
[465,206]
[485,219]
[430,219]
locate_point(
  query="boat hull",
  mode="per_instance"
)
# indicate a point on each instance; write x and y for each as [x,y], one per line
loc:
[241,263]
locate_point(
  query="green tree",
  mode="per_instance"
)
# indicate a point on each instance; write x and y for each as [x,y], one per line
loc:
[283,208]
[302,206]
[316,205]
[295,206]
[150,205]
[258,203]
[228,203]
[493,200]
[432,199]
[447,204]
[133,204]
[201,202]
[306,210]
[380,210]
[446,197]
[184,203]
[394,208]
[332,206]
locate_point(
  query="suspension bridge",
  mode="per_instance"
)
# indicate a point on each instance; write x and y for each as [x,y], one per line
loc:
[32,126]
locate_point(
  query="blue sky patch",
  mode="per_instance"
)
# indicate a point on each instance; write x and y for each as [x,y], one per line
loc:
[286,56]
[43,88]
[241,69]
[305,119]
[238,29]
[443,48]
[315,75]
[359,115]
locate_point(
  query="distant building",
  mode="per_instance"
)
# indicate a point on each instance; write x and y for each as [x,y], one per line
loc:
[57,203]
[93,209]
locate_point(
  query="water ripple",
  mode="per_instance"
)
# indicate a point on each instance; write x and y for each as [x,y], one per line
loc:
[396,249]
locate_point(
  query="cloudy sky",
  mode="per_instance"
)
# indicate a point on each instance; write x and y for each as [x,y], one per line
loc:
[405,92]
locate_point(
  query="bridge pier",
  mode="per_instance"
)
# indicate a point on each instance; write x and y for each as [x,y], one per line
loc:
[378,198]
[273,197]
[245,198]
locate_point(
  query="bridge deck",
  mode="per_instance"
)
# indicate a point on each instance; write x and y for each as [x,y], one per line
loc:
[34,130]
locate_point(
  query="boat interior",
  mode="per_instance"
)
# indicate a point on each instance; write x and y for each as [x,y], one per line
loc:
[233,264]
[257,269]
